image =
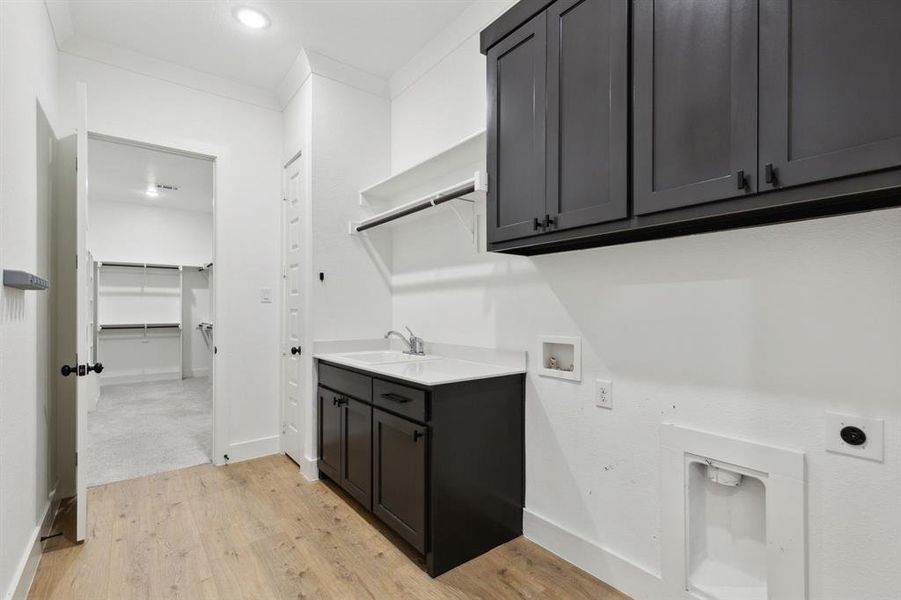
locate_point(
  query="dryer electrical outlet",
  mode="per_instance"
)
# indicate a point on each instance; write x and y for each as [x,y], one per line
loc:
[862,437]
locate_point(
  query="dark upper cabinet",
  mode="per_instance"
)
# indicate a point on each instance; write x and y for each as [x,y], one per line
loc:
[587,121]
[329,434]
[516,109]
[830,84]
[741,113]
[558,120]
[695,102]
[356,450]
[399,469]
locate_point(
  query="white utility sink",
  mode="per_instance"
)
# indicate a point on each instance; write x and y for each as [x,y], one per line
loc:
[385,357]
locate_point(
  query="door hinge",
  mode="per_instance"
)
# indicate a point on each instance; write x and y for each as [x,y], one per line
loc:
[76,164]
[76,459]
[284,428]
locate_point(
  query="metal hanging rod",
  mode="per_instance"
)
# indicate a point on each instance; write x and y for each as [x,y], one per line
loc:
[440,198]
[141,326]
[139,265]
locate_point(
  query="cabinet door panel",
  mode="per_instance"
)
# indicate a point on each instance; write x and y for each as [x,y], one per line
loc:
[356,447]
[329,434]
[587,111]
[830,82]
[695,102]
[516,144]
[399,485]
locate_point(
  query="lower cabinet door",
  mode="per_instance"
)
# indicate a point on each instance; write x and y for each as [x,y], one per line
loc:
[356,446]
[399,470]
[329,434]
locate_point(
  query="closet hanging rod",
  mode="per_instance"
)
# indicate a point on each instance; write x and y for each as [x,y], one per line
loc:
[440,199]
[139,265]
[141,326]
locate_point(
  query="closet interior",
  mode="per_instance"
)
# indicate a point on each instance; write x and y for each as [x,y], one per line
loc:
[150,236]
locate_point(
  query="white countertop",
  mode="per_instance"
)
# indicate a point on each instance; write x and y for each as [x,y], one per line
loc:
[433,371]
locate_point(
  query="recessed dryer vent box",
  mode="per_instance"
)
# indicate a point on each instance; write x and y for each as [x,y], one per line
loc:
[560,357]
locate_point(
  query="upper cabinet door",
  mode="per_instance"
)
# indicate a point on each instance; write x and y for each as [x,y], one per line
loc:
[830,88]
[587,112]
[695,102]
[516,90]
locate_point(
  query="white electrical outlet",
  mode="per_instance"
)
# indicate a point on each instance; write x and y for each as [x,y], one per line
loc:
[603,393]
[855,436]
[266,295]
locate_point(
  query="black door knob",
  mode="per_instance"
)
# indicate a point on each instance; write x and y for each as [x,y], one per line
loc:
[295,350]
[67,370]
[96,367]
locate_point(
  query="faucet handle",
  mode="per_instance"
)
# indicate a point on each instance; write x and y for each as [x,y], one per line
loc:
[417,345]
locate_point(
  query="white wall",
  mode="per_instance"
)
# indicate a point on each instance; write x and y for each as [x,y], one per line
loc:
[751,333]
[130,232]
[344,134]
[247,142]
[28,74]
[350,152]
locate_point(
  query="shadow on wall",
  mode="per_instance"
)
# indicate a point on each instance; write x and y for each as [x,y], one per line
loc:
[13,305]
[777,309]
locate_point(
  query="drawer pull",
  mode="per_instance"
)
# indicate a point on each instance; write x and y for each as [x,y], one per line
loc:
[417,434]
[396,398]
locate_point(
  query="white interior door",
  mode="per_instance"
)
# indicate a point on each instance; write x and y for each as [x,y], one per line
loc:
[292,320]
[83,332]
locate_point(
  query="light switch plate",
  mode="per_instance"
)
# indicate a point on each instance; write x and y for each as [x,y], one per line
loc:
[872,448]
[603,393]
[266,295]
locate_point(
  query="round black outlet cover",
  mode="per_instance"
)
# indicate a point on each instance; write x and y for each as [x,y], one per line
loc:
[852,435]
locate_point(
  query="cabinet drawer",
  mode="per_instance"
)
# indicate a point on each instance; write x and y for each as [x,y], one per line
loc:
[400,399]
[347,382]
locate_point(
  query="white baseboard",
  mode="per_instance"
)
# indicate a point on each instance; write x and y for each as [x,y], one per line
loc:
[28,564]
[309,469]
[199,372]
[614,570]
[250,449]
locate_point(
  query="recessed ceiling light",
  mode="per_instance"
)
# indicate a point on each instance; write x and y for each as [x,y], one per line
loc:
[251,17]
[152,192]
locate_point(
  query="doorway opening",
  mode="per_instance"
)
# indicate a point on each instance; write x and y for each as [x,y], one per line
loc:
[150,243]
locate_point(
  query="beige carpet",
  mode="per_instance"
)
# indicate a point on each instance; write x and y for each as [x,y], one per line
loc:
[145,428]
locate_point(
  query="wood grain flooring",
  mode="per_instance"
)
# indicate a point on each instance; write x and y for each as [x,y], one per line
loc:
[258,530]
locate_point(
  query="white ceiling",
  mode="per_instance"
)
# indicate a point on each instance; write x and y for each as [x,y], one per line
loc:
[376,36]
[122,172]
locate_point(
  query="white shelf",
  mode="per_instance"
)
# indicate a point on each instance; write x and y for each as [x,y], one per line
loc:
[436,172]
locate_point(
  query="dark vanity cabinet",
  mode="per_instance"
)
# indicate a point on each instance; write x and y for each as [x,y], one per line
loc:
[442,466]
[613,121]
[399,462]
[346,443]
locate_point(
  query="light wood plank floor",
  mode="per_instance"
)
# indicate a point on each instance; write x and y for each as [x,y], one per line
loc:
[258,530]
